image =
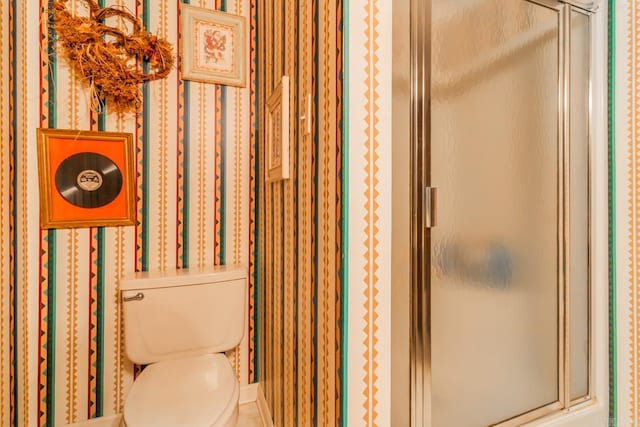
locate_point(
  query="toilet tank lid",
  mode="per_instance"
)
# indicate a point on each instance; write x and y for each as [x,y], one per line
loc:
[185,276]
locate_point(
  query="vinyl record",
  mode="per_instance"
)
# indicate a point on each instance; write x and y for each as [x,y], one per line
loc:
[88,180]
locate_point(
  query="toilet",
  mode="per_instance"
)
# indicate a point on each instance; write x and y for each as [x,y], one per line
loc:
[178,324]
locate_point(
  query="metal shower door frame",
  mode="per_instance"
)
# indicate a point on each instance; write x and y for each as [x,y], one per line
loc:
[420,334]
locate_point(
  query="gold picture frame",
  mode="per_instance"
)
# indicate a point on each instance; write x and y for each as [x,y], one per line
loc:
[213,46]
[277,137]
[86,178]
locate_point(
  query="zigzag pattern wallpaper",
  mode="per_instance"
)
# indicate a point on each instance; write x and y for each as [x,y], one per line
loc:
[319,294]
[300,218]
[368,93]
[325,233]
[627,209]
[60,328]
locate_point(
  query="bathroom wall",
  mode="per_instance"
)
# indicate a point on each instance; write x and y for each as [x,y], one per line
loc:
[626,88]
[368,143]
[325,232]
[301,218]
[60,329]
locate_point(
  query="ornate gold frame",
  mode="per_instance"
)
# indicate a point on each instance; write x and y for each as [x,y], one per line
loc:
[55,211]
[277,154]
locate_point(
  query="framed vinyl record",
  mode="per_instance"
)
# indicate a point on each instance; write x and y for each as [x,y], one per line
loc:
[86,178]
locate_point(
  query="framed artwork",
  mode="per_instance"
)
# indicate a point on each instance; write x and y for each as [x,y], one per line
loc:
[213,46]
[86,178]
[277,136]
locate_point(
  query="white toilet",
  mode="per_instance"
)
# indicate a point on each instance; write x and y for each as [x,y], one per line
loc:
[179,323]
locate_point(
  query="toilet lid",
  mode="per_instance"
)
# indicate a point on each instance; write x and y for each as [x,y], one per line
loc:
[195,392]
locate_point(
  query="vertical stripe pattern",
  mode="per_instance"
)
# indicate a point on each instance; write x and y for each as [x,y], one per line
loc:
[253,198]
[6,80]
[371,230]
[634,202]
[611,102]
[61,330]
[367,367]
[300,240]
[23,400]
[12,205]
[304,191]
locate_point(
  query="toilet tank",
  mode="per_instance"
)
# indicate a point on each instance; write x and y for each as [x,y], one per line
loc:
[183,313]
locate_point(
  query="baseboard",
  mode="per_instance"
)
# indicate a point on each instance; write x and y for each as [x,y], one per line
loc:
[263,409]
[110,421]
[253,393]
[248,393]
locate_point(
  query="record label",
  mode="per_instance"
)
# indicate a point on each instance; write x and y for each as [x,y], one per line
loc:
[88,180]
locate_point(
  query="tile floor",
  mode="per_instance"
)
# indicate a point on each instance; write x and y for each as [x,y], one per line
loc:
[248,417]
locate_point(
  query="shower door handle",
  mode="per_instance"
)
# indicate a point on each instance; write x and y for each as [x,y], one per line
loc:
[430,199]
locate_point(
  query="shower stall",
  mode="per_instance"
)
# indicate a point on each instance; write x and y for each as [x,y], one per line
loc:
[506,159]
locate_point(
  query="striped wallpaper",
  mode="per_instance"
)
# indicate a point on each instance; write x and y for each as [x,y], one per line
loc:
[301,219]
[325,232]
[626,106]
[322,284]
[60,328]
[368,94]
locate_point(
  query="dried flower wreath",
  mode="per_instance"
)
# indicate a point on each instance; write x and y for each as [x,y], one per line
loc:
[111,61]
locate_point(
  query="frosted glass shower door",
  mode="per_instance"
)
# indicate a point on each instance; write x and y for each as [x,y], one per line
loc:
[496,156]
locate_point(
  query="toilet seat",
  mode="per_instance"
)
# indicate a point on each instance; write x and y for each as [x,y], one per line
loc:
[198,391]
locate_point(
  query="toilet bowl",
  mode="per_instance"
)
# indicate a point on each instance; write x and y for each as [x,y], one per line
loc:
[178,324]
